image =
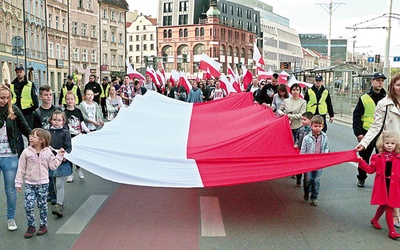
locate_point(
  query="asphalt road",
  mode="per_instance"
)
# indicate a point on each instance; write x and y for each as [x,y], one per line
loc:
[264,215]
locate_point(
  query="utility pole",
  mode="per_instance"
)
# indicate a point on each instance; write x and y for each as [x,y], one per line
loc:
[330,8]
[386,64]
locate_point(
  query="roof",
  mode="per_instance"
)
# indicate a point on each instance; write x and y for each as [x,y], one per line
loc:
[344,67]
[118,3]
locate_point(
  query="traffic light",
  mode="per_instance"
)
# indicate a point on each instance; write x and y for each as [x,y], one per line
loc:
[377,58]
[184,58]
[146,60]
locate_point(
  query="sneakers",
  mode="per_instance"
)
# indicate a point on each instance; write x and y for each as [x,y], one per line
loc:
[29,233]
[58,210]
[70,178]
[42,230]
[314,202]
[80,173]
[12,226]
[361,184]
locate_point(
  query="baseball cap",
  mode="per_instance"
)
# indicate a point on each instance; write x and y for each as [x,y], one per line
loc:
[19,68]
[70,77]
[318,78]
[105,78]
[379,75]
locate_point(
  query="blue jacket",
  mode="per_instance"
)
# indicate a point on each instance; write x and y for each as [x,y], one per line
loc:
[308,145]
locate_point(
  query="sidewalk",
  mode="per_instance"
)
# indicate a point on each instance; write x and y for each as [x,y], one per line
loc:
[344,118]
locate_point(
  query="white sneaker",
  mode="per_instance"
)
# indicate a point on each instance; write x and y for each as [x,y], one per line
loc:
[12,226]
[70,178]
[80,173]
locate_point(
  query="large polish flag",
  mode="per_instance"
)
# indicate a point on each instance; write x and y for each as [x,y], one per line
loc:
[210,65]
[178,144]
[133,73]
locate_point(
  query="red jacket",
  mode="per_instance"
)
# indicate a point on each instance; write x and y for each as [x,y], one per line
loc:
[379,191]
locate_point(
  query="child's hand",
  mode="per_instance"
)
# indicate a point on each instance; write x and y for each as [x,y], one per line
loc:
[18,189]
[295,146]
[61,151]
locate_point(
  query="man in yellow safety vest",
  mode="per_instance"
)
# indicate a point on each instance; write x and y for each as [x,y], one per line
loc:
[105,88]
[24,95]
[363,116]
[69,86]
[319,101]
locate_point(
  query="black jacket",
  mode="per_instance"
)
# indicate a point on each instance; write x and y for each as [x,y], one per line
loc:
[13,126]
[359,111]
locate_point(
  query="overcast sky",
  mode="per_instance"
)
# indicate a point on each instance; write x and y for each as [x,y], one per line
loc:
[307,16]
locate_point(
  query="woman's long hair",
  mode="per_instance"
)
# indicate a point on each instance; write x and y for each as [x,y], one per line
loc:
[11,114]
[391,94]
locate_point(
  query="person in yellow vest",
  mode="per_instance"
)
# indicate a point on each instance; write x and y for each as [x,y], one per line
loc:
[24,96]
[319,101]
[105,89]
[363,116]
[69,86]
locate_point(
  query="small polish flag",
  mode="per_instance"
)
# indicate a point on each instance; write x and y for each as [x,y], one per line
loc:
[257,57]
[247,77]
[210,65]
[133,73]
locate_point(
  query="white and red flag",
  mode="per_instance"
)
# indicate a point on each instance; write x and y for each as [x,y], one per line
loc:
[257,57]
[161,79]
[235,80]
[176,152]
[247,77]
[226,84]
[184,82]
[133,73]
[153,75]
[210,65]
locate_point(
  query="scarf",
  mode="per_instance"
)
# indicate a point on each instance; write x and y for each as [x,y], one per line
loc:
[3,115]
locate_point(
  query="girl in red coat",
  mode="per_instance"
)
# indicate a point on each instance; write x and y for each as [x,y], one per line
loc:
[386,190]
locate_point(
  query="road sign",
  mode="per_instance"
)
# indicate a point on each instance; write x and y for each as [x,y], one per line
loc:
[17,41]
[396,59]
[371,59]
[17,52]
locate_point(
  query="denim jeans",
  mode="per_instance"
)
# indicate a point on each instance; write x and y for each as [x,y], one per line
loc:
[312,183]
[9,166]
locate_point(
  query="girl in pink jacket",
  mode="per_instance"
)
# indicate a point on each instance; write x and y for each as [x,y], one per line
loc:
[386,190]
[33,168]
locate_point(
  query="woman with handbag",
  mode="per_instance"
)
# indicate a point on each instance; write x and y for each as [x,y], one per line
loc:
[386,118]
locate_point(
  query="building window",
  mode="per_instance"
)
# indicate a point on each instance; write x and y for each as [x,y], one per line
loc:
[144,27]
[64,52]
[104,35]
[84,29]
[51,50]
[130,38]
[84,55]
[137,27]
[104,14]
[248,14]
[57,22]
[145,47]
[144,37]
[231,10]
[50,20]
[75,28]
[165,34]
[89,5]
[120,61]
[130,47]
[137,59]
[120,17]
[197,32]
[105,59]
[169,33]
[239,12]
[58,51]
[183,19]
[80,4]
[94,56]
[167,20]
[201,31]
[185,32]
[255,18]
[137,37]
[93,31]
[137,47]
[113,37]
[151,47]
[112,60]
[184,5]
[180,32]
[75,54]
[120,41]
[151,37]
[112,15]
[167,7]
[63,24]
